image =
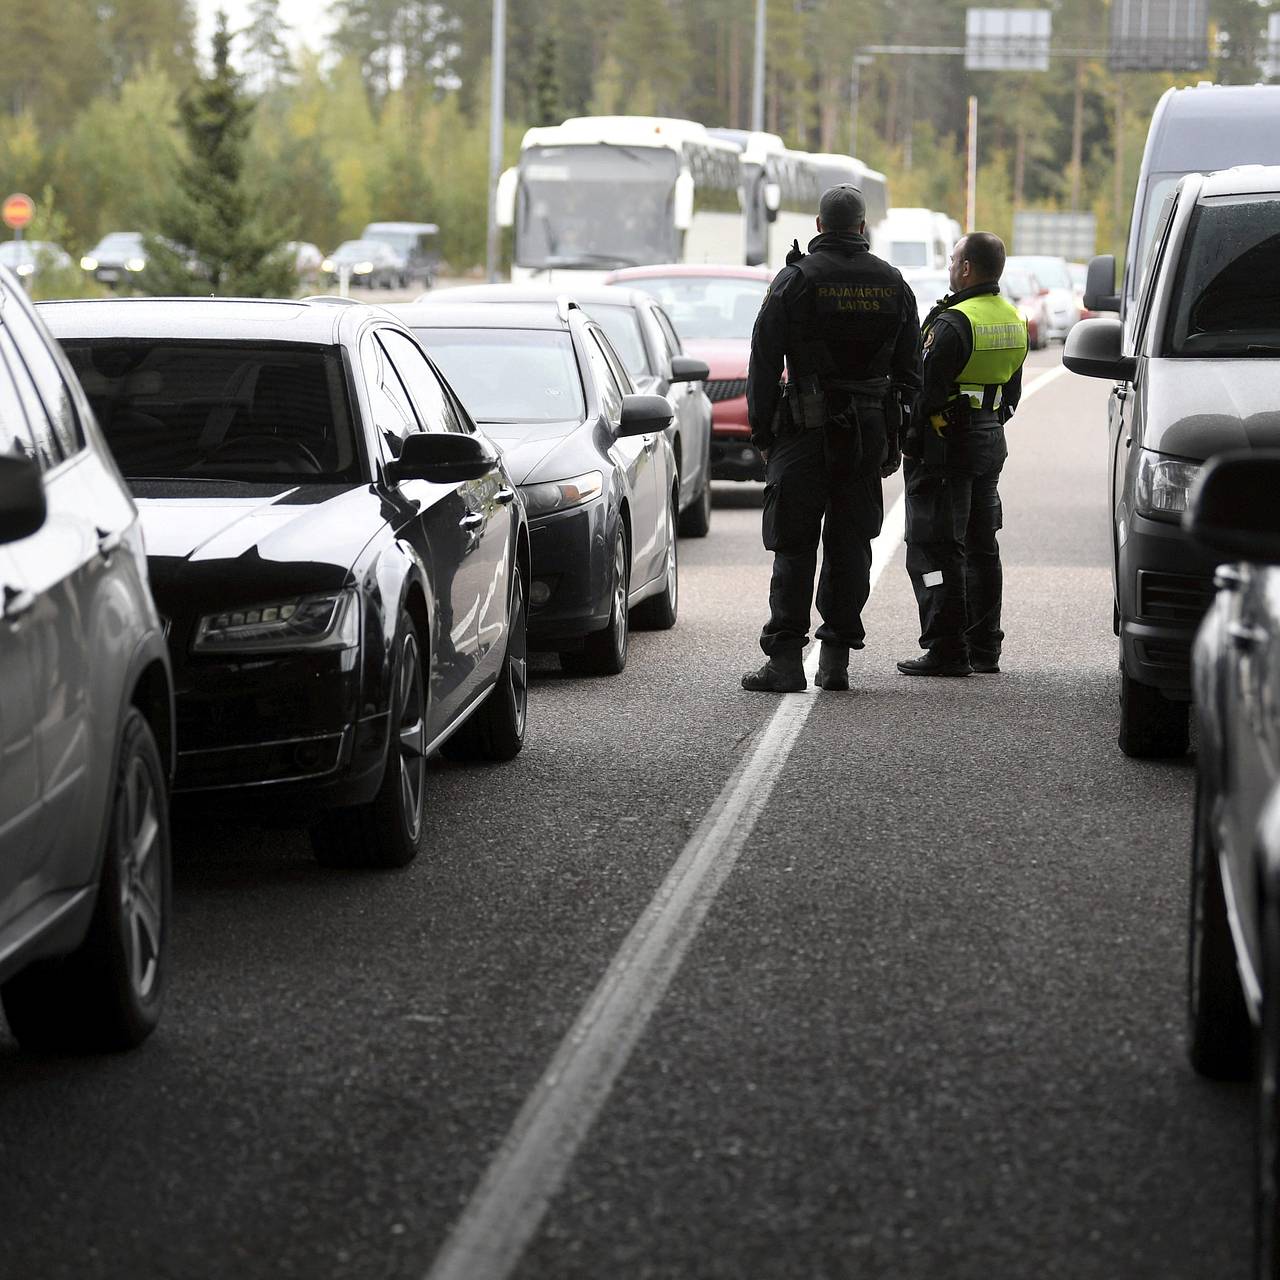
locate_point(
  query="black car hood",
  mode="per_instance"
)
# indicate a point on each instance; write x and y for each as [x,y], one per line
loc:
[221,540]
[1196,408]
[524,447]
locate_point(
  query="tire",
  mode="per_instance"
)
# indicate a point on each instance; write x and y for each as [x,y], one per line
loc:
[387,832]
[604,653]
[107,994]
[659,612]
[495,730]
[1151,726]
[1267,1100]
[695,519]
[1219,1035]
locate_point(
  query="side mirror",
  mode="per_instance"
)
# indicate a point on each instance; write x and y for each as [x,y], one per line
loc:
[772,201]
[682,212]
[22,508]
[689,369]
[1094,348]
[643,415]
[505,197]
[442,458]
[1233,509]
[1100,284]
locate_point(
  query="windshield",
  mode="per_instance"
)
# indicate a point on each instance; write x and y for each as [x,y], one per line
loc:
[219,411]
[596,206]
[622,324]
[510,375]
[358,250]
[909,253]
[1018,284]
[120,242]
[707,306]
[1227,292]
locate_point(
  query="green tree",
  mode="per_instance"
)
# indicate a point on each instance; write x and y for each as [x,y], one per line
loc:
[546,84]
[266,56]
[214,235]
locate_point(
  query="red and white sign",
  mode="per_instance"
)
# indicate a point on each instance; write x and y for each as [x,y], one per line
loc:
[18,210]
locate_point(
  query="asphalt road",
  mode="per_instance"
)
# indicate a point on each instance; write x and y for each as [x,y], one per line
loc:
[928,1024]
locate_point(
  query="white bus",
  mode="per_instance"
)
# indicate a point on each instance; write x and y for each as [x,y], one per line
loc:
[600,192]
[781,189]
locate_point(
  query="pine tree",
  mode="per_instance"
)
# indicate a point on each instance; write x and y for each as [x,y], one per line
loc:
[266,54]
[214,236]
[546,84]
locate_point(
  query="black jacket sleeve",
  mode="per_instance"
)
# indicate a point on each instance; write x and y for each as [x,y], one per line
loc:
[768,355]
[1011,395]
[904,367]
[947,349]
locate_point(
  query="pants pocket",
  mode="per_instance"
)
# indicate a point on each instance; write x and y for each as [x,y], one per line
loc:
[928,507]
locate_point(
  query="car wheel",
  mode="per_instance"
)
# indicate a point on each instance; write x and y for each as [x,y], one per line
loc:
[387,832]
[107,994]
[1219,1037]
[1267,1091]
[1151,726]
[659,612]
[604,653]
[695,519]
[495,731]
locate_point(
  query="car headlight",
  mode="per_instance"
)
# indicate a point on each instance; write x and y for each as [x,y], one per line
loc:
[560,495]
[330,621]
[136,264]
[1162,485]
[362,268]
[25,268]
[89,264]
[328,265]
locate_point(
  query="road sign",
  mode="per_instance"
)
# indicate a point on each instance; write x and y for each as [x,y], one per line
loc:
[18,210]
[1159,35]
[1007,39]
[1055,235]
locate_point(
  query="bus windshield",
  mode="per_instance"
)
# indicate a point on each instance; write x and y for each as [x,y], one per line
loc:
[598,205]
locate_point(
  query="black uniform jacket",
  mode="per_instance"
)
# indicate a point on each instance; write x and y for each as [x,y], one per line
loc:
[843,315]
[948,346]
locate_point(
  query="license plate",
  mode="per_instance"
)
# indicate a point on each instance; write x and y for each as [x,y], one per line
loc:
[108,277]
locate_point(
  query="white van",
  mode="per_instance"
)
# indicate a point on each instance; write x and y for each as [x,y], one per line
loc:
[915,239]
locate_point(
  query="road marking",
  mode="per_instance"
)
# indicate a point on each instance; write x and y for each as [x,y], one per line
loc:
[1042,381]
[507,1207]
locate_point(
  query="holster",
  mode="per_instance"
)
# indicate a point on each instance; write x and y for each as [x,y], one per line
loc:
[808,404]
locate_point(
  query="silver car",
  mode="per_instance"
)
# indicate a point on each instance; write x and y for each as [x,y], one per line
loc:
[86,718]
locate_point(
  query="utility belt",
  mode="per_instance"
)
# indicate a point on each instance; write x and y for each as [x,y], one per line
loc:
[961,415]
[805,403]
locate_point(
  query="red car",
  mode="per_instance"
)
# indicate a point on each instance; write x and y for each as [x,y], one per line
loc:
[714,310]
[1026,293]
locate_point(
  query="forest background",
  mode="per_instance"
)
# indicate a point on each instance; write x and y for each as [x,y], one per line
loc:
[389,119]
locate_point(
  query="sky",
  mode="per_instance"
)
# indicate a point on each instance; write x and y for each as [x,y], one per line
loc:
[309,19]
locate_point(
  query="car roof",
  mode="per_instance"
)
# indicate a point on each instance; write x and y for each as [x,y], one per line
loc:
[479,315]
[424,228]
[540,295]
[1197,129]
[734,271]
[1248,179]
[230,319]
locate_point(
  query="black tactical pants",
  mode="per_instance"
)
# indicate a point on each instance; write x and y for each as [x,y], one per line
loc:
[823,487]
[953,514]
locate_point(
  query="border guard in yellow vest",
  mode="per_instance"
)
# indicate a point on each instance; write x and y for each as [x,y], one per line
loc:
[975,343]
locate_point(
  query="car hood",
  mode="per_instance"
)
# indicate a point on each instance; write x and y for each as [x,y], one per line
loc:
[727,358]
[1196,408]
[221,540]
[525,446]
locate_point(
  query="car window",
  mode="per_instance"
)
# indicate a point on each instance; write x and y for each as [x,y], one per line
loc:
[708,306]
[15,437]
[48,451]
[435,410]
[1227,291]
[623,378]
[606,382]
[668,332]
[48,379]
[393,415]
[1151,269]
[622,324]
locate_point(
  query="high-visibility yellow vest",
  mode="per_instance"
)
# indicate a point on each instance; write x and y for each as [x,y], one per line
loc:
[999,348]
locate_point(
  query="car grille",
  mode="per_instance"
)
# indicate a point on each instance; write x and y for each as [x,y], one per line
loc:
[726,388]
[1173,597]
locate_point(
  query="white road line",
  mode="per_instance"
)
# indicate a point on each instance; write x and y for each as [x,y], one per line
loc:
[508,1205]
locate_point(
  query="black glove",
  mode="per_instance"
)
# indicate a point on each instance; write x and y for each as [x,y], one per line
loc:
[794,254]
[892,458]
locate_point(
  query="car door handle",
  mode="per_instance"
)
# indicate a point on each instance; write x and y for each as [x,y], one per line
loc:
[1246,638]
[505,495]
[109,542]
[17,602]
[1227,577]
[472,520]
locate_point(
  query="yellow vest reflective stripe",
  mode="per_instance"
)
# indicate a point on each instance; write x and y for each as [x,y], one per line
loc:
[999,347]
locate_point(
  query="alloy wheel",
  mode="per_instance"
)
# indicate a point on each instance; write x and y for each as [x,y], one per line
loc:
[673,569]
[620,597]
[411,735]
[517,657]
[139,839]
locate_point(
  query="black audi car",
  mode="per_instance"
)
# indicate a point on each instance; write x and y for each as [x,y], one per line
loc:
[1234,945]
[592,459]
[340,558]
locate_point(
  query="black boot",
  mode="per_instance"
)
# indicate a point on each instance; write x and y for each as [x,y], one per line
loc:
[833,667]
[987,664]
[783,673]
[932,663]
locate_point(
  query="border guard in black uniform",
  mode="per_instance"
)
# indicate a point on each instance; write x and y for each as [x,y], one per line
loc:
[846,325]
[975,343]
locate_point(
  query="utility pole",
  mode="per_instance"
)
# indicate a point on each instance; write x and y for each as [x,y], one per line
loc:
[497,112]
[757,81]
[860,60]
[971,184]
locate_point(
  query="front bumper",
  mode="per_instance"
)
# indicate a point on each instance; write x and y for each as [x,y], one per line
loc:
[733,456]
[571,565]
[1164,588]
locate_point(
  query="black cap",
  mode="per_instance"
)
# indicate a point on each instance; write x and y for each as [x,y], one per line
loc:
[842,208]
